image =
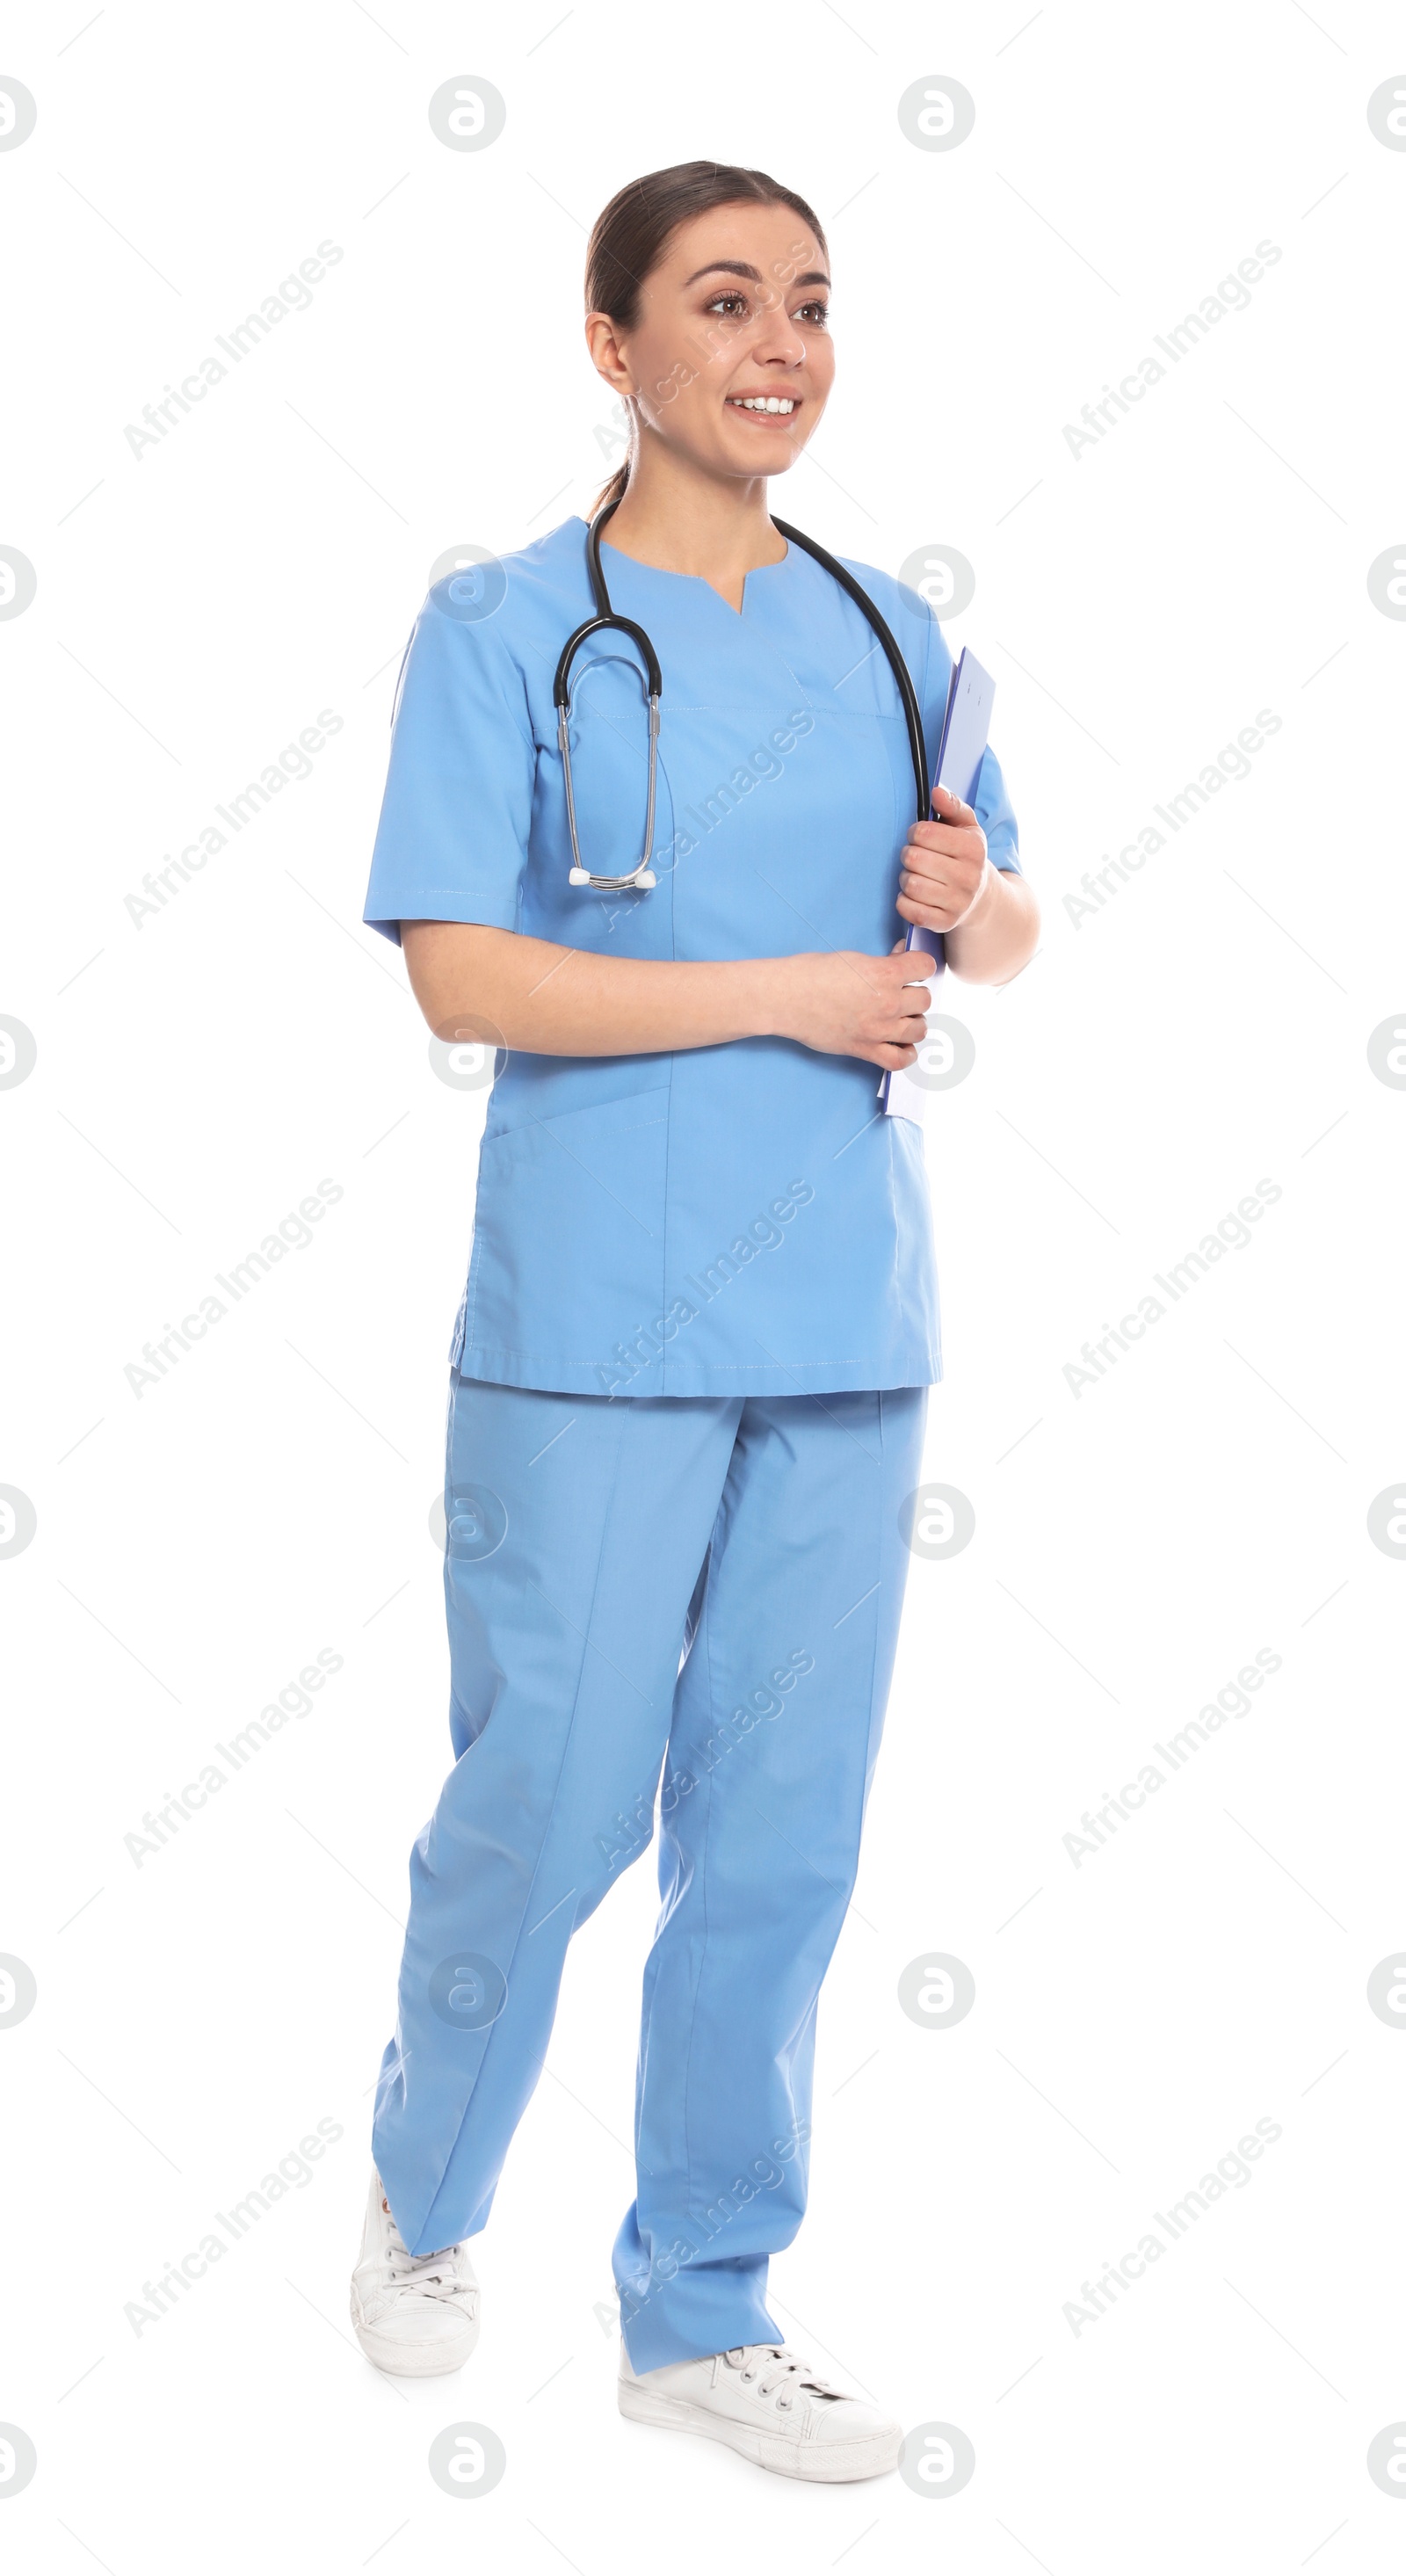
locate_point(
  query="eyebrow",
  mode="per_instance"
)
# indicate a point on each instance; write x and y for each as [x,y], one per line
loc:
[743,268]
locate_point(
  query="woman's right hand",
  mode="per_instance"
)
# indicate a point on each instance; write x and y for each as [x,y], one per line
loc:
[846,1003]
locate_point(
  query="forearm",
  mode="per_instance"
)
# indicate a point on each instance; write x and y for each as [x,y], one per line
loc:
[999,934]
[532,995]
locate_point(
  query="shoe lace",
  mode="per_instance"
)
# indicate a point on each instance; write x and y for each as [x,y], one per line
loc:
[437,2273]
[775,2368]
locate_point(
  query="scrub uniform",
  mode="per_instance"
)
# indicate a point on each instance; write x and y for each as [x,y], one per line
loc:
[688,1382]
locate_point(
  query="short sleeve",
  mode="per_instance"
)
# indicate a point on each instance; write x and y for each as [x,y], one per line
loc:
[452,840]
[994,810]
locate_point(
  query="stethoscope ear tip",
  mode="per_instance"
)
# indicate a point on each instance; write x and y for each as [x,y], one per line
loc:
[611,885]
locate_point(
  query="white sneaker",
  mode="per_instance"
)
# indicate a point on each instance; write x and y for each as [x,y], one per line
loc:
[767,2403]
[414,2315]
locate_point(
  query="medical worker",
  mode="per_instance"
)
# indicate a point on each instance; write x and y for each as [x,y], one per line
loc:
[689,1372]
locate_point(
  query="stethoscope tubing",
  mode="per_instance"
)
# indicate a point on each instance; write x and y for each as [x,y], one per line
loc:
[642,875]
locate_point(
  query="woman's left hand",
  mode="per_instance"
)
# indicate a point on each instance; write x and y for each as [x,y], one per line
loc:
[944,871]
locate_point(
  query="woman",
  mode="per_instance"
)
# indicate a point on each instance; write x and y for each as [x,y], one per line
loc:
[690,1370]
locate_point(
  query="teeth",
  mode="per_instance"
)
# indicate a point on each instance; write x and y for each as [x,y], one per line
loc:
[763,402]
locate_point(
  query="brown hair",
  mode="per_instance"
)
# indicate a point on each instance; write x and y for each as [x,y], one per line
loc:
[631,235]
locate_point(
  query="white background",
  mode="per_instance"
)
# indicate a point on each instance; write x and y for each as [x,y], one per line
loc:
[1136,1543]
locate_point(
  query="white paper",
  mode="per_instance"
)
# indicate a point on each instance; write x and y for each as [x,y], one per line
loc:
[907,1098]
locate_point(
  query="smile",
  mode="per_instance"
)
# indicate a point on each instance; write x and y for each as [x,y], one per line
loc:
[771,404]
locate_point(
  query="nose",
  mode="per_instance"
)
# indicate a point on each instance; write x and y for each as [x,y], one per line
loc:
[778,342]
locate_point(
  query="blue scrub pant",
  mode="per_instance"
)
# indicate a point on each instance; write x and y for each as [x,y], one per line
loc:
[591,1544]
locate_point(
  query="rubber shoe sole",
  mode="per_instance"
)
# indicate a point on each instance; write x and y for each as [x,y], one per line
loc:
[826,2463]
[404,2360]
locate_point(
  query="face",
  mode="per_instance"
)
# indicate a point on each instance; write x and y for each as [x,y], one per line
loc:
[730,361]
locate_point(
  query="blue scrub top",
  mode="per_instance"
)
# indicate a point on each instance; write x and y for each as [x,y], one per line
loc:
[728,1220]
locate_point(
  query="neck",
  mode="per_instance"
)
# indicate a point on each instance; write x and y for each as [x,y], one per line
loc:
[679,517]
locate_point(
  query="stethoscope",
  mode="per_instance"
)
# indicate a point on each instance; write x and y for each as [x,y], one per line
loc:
[641,874]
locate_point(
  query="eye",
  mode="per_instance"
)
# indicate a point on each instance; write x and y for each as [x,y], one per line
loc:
[819,314]
[729,300]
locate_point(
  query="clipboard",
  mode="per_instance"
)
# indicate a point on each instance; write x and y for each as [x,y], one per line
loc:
[966,724]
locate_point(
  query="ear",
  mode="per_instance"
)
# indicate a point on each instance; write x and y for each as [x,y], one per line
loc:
[607,356]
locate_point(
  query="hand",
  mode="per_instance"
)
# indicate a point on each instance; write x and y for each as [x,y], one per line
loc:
[944,872]
[846,1003]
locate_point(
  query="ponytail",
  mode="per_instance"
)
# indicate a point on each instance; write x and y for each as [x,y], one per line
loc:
[612,491]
